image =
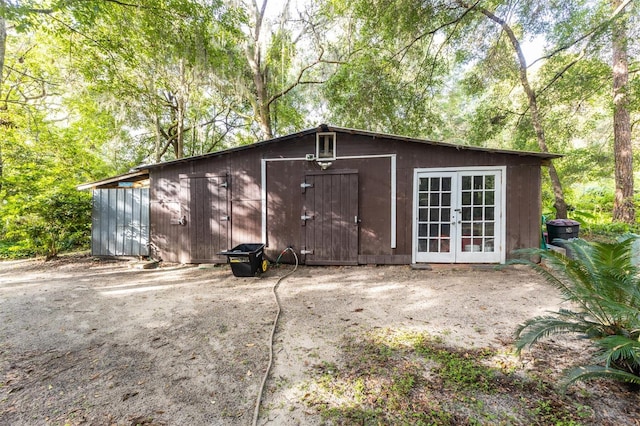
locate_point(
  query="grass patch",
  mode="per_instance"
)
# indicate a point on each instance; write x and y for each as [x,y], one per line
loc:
[406,377]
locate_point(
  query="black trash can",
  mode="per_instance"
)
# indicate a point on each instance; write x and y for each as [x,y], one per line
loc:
[246,260]
[562,229]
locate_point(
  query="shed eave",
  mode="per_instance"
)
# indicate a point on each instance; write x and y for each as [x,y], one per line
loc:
[231,150]
[444,144]
[114,179]
[324,128]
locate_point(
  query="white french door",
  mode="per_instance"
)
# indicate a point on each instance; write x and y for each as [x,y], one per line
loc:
[458,216]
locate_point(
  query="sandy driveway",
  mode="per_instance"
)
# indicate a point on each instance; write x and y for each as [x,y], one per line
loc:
[87,342]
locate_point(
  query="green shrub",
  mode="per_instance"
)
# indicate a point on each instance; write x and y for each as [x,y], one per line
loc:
[601,280]
[52,221]
[15,250]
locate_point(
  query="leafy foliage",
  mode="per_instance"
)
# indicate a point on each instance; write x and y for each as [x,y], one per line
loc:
[41,212]
[602,283]
[48,223]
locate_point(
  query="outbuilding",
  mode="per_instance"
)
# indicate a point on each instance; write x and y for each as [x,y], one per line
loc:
[120,215]
[345,197]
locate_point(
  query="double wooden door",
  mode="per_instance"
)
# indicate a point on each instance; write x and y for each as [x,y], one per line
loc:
[330,217]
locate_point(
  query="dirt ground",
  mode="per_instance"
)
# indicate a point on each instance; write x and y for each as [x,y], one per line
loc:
[94,342]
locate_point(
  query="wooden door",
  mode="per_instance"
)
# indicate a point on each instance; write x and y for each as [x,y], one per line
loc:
[206,214]
[330,217]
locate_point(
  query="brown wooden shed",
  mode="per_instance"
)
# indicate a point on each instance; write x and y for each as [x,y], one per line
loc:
[346,197]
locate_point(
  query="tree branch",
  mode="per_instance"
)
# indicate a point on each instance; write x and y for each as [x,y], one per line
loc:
[42,80]
[404,49]
[145,7]
[299,80]
[587,35]
[560,73]
[121,3]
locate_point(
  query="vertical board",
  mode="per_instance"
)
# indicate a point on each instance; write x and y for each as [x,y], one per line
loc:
[120,222]
[283,200]
[332,229]
[246,215]
[524,214]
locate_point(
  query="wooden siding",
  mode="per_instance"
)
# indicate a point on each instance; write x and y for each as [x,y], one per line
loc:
[120,222]
[284,205]
[285,170]
[166,230]
[524,201]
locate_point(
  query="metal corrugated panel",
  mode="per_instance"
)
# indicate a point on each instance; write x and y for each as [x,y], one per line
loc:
[120,222]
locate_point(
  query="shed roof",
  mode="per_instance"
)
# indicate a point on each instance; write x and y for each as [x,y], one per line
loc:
[327,128]
[133,176]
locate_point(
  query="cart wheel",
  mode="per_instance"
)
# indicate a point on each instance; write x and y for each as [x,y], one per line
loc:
[264,266]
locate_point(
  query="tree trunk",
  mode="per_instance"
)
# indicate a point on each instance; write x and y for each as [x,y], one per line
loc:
[159,139]
[180,126]
[181,105]
[3,47]
[623,206]
[262,111]
[559,204]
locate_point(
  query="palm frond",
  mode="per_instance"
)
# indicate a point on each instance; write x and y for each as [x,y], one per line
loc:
[621,351]
[603,281]
[610,264]
[540,327]
[596,372]
[601,278]
[555,262]
[593,329]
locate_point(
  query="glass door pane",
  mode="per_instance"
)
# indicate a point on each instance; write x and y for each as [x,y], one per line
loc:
[434,214]
[458,216]
[478,218]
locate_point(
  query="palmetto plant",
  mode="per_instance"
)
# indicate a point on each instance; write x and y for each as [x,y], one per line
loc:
[601,282]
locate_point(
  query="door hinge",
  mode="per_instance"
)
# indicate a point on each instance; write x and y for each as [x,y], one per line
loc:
[224,185]
[306,217]
[306,251]
[225,218]
[305,185]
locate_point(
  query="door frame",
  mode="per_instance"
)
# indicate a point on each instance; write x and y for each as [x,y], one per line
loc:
[500,220]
